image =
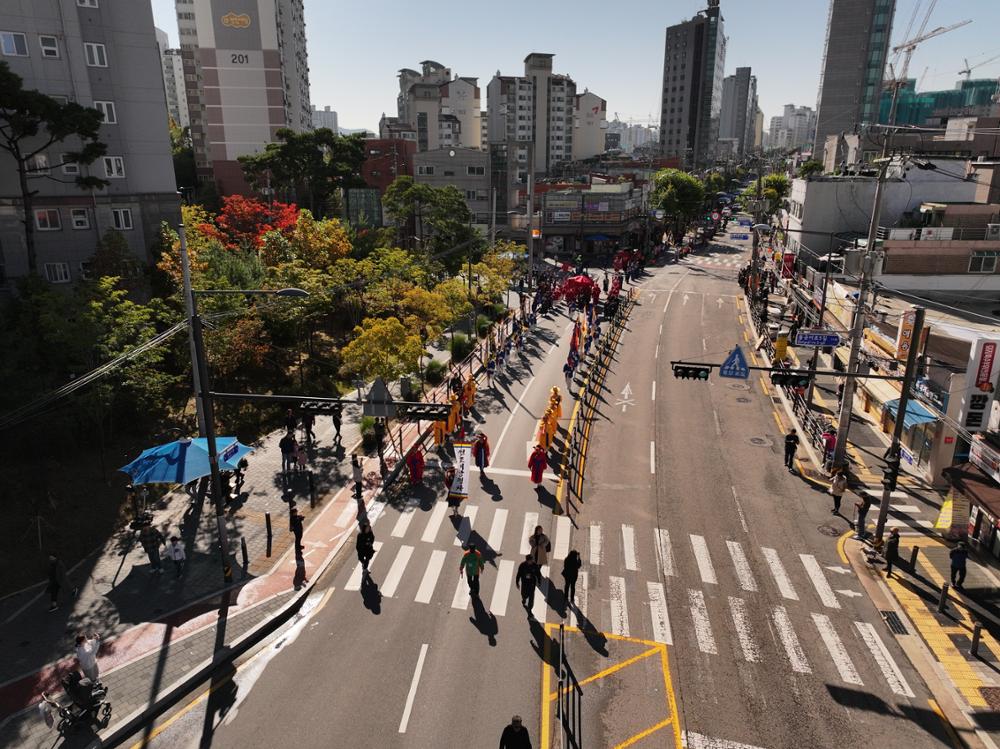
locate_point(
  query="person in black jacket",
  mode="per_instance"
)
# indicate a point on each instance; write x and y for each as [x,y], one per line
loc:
[365,545]
[570,572]
[791,445]
[515,736]
[891,551]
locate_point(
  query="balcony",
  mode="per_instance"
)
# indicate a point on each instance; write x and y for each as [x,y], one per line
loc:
[989,232]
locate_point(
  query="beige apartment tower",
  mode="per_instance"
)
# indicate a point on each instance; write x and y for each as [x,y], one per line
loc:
[247,76]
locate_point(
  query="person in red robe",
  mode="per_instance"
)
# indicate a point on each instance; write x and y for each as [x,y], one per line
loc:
[481,453]
[415,463]
[537,464]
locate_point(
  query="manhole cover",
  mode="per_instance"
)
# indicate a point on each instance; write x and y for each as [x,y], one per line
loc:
[895,624]
[742,400]
[992,696]
[760,441]
[739,386]
[829,530]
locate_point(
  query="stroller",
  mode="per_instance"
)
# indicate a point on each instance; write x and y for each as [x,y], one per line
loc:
[87,706]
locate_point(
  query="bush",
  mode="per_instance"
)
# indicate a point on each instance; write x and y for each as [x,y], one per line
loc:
[434,374]
[368,441]
[483,324]
[460,347]
[496,311]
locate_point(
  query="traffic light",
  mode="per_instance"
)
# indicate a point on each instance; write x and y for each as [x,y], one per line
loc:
[790,379]
[691,372]
[891,473]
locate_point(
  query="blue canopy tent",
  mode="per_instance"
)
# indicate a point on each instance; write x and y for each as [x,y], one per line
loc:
[915,412]
[183,461]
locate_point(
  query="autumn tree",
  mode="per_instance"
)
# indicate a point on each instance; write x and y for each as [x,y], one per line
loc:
[381,347]
[242,222]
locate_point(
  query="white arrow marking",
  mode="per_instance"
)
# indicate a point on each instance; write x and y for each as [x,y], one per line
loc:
[838,570]
[849,593]
[719,302]
[685,300]
[652,296]
[625,403]
[627,390]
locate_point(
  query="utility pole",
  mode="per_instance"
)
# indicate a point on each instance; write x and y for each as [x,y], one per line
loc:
[189,307]
[531,214]
[815,356]
[493,218]
[892,464]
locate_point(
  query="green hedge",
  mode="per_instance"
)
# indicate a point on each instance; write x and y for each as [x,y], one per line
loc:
[460,347]
[483,324]
[434,373]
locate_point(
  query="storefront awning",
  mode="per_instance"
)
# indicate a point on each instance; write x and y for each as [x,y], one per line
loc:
[915,413]
[976,486]
[598,237]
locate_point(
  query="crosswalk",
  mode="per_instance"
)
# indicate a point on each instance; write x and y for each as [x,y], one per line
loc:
[635,600]
[903,513]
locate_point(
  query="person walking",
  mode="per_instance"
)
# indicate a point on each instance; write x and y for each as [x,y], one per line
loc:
[415,466]
[829,446]
[568,375]
[959,557]
[570,573]
[365,544]
[537,464]
[338,417]
[290,421]
[540,547]
[791,445]
[57,579]
[838,485]
[151,540]
[481,453]
[300,458]
[287,445]
[308,421]
[471,565]
[357,474]
[298,526]
[891,551]
[526,580]
[87,647]
[176,553]
[862,507]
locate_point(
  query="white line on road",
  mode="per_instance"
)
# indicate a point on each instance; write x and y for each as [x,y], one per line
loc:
[779,574]
[845,667]
[628,547]
[658,613]
[581,600]
[431,575]
[664,556]
[395,573]
[739,510]
[354,582]
[399,529]
[704,345]
[530,521]
[666,305]
[652,456]
[413,689]
[693,740]
[702,626]
[349,513]
[496,529]
[540,609]
[893,676]
[510,418]
[704,559]
[654,390]
[465,525]
[434,522]
[718,426]
[462,596]
[529,446]
[656,354]
[743,572]
[596,555]
[823,589]
[786,634]
[661,328]
[741,621]
[505,578]
[619,612]
[561,547]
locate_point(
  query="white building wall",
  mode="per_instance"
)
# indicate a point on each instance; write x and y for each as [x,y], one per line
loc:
[589,125]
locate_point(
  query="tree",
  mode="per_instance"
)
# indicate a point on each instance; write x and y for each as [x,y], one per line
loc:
[31,122]
[438,217]
[202,237]
[319,244]
[185,174]
[112,257]
[714,183]
[381,348]
[242,222]
[810,167]
[425,312]
[774,188]
[679,195]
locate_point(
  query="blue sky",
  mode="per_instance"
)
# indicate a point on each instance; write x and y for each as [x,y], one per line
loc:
[356,48]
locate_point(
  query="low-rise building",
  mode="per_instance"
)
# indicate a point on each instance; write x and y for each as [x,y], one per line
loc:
[467,169]
[590,123]
[386,159]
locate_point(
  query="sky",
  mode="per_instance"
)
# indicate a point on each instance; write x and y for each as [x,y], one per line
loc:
[356,49]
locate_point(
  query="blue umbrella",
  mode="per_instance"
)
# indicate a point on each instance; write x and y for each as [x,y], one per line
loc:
[183,461]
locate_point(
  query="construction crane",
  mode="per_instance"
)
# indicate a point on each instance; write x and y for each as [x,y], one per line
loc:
[967,72]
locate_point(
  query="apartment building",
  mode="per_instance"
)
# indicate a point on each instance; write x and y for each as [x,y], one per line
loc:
[466,169]
[794,128]
[173,80]
[324,117]
[737,118]
[104,55]
[442,111]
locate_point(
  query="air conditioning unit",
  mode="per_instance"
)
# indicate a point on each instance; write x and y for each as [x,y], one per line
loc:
[993,231]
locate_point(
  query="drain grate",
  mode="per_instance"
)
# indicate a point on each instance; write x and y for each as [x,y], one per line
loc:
[776,399]
[829,530]
[760,441]
[895,624]
[743,400]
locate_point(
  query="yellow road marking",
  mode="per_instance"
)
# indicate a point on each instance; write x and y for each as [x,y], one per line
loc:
[643,734]
[840,546]
[763,385]
[948,727]
[611,669]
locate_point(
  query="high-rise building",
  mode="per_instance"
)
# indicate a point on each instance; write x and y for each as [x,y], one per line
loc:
[247,77]
[758,129]
[739,107]
[857,42]
[691,95]
[324,117]
[102,56]
[444,112]
[590,123]
[173,80]
[794,128]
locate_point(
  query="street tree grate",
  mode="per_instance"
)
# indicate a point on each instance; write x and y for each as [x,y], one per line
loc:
[894,622]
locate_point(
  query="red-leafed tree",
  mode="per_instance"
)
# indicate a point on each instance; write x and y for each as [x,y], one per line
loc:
[242,222]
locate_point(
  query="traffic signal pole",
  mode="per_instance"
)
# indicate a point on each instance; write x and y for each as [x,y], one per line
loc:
[892,467]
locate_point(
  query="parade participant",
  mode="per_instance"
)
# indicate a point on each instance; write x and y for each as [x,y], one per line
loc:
[481,453]
[537,464]
[469,395]
[555,401]
[454,500]
[491,368]
[551,426]
[568,374]
[415,464]
[440,432]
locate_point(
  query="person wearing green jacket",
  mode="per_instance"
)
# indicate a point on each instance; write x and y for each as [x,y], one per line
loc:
[470,566]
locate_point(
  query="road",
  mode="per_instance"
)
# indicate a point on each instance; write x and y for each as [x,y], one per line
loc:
[713,600]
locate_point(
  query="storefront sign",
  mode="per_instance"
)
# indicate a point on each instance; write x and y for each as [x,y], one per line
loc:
[558,216]
[980,375]
[985,458]
[788,265]
[904,335]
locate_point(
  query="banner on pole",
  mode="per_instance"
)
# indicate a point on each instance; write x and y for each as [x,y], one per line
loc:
[459,488]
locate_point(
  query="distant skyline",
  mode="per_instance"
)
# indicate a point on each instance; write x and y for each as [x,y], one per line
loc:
[355,51]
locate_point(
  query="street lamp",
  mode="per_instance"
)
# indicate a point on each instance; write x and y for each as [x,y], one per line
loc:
[203,395]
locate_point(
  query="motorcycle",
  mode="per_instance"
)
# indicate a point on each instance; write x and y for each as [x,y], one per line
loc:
[88,705]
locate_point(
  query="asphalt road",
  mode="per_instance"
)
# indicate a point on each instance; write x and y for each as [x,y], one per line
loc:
[713,600]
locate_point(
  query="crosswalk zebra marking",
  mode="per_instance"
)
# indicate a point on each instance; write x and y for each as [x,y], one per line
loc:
[561,547]
[354,581]
[702,624]
[793,649]
[628,548]
[741,621]
[431,575]
[462,597]
[893,676]
[596,555]
[779,574]
[434,522]
[838,653]
[658,613]
[530,521]
[704,560]
[823,589]
[505,579]
[402,524]
[395,574]
[619,612]
[465,525]
[495,540]
[540,609]
[664,556]
[581,601]
[743,572]
[349,513]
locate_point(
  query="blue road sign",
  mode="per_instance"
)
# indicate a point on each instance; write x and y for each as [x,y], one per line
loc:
[739,236]
[735,365]
[746,222]
[817,338]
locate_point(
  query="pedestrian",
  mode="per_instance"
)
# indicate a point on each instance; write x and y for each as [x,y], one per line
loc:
[568,374]
[959,556]
[791,445]
[838,485]
[862,507]
[308,421]
[481,453]
[87,647]
[491,369]
[415,465]
[840,390]
[151,540]
[300,458]
[356,474]
[470,566]
[177,555]
[338,416]
[287,445]
[290,421]
[829,446]
[365,544]
[526,580]
[57,580]
[297,528]
[537,464]
[891,551]
[570,572]
[540,546]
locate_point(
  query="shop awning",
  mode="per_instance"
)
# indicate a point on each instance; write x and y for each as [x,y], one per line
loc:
[975,485]
[597,237]
[915,412]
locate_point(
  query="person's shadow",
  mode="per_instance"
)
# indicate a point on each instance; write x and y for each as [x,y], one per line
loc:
[593,636]
[370,594]
[490,487]
[544,643]
[484,621]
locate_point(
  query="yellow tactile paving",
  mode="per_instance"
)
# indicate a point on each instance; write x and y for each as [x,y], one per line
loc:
[944,519]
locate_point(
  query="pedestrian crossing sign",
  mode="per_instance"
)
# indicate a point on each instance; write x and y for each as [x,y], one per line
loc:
[735,366]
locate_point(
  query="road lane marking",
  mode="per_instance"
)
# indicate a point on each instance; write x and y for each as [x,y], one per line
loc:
[652,456]
[700,741]
[413,689]
[741,621]
[462,597]
[354,581]
[658,613]
[561,547]
[664,556]
[349,513]
[661,328]
[595,544]
[540,609]
[399,529]
[703,559]
[530,445]
[505,579]
[431,575]
[654,390]
[793,649]
[779,574]
[495,540]
[510,418]
[395,574]
[656,354]
[893,676]
[823,589]
[434,522]
[702,625]
[718,426]
[743,572]
[619,612]
[841,659]
[465,525]
[628,548]
[530,521]
[739,510]
[581,600]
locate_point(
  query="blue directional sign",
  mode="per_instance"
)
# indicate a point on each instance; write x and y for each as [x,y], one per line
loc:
[746,222]
[735,365]
[817,338]
[739,236]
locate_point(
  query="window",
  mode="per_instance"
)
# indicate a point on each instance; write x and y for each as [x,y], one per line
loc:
[70,167]
[59,98]
[57,272]
[425,170]
[114,167]
[13,44]
[470,194]
[122,218]
[87,3]
[97,56]
[107,108]
[474,171]
[47,219]
[983,262]
[49,45]
[38,165]
[79,218]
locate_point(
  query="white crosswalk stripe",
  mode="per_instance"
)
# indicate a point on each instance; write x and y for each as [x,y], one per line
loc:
[619,611]
[893,676]
[505,581]
[702,624]
[704,559]
[401,526]
[779,574]
[348,514]
[581,600]
[838,653]
[664,556]
[495,540]
[793,649]
[395,574]
[628,548]
[530,521]
[354,581]
[461,599]
[743,572]
[658,613]
[431,575]
[540,609]
[434,522]
[741,622]
[823,589]
[561,546]
[465,525]
[595,545]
